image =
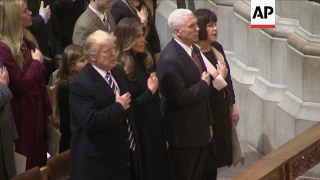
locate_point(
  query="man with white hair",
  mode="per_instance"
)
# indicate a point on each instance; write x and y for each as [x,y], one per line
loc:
[184,88]
[104,144]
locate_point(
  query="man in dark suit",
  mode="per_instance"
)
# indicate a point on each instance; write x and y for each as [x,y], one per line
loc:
[184,88]
[68,12]
[96,17]
[45,28]
[104,144]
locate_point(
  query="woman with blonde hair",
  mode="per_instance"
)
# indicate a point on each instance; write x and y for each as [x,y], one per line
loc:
[144,11]
[73,61]
[31,107]
[143,86]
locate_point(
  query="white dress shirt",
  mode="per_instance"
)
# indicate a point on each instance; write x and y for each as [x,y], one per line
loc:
[103,73]
[99,14]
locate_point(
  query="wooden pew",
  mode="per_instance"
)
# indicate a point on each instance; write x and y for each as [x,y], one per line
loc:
[58,166]
[31,174]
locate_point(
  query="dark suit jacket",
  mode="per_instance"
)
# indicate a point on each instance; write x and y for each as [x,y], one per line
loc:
[120,10]
[88,23]
[63,103]
[45,33]
[184,98]
[48,35]
[99,141]
[67,13]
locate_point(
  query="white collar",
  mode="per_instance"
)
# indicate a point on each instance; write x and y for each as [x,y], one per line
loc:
[103,73]
[99,14]
[185,47]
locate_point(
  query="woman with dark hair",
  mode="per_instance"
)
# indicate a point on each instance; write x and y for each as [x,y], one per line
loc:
[31,107]
[143,86]
[72,63]
[223,107]
[144,11]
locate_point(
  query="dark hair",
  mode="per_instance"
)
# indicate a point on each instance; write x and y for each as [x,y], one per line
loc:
[204,16]
[127,33]
[70,56]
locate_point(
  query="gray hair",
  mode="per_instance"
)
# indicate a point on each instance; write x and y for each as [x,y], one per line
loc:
[175,18]
[94,41]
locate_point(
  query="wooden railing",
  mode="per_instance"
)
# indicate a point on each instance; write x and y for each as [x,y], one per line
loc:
[290,160]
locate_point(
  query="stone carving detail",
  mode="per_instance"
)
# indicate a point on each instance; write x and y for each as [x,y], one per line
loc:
[305,162]
[276,176]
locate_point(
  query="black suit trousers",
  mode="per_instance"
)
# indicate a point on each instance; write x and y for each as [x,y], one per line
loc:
[134,163]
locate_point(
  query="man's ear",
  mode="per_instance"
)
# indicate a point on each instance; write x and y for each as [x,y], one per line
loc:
[176,31]
[92,57]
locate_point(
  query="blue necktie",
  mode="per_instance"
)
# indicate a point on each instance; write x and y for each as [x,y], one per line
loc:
[113,86]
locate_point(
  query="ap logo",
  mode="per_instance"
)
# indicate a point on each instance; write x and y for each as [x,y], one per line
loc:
[263,14]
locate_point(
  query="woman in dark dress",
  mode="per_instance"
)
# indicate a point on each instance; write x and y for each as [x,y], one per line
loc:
[143,86]
[30,105]
[72,63]
[144,11]
[223,107]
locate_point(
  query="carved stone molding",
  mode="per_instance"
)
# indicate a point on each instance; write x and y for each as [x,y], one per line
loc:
[243,9]
[304,46]
[266,90]
[299,109]
[225,2]
[305,162]
[284,26]
[298,38]
[307,35]
[242,73]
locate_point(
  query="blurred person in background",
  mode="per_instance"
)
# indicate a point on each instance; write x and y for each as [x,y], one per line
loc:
[8,131]
[95,17]
[144,11]
[45,28]
[68,11]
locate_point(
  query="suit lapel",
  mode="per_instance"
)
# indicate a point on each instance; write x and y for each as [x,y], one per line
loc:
[197,51]
[101,82]
[185,57]
[95,18]
[120,81]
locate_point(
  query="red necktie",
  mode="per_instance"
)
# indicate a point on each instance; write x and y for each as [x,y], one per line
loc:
[196,60]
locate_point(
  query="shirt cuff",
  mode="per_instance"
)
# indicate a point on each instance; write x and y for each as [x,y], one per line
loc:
[44,17]
[219,82]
